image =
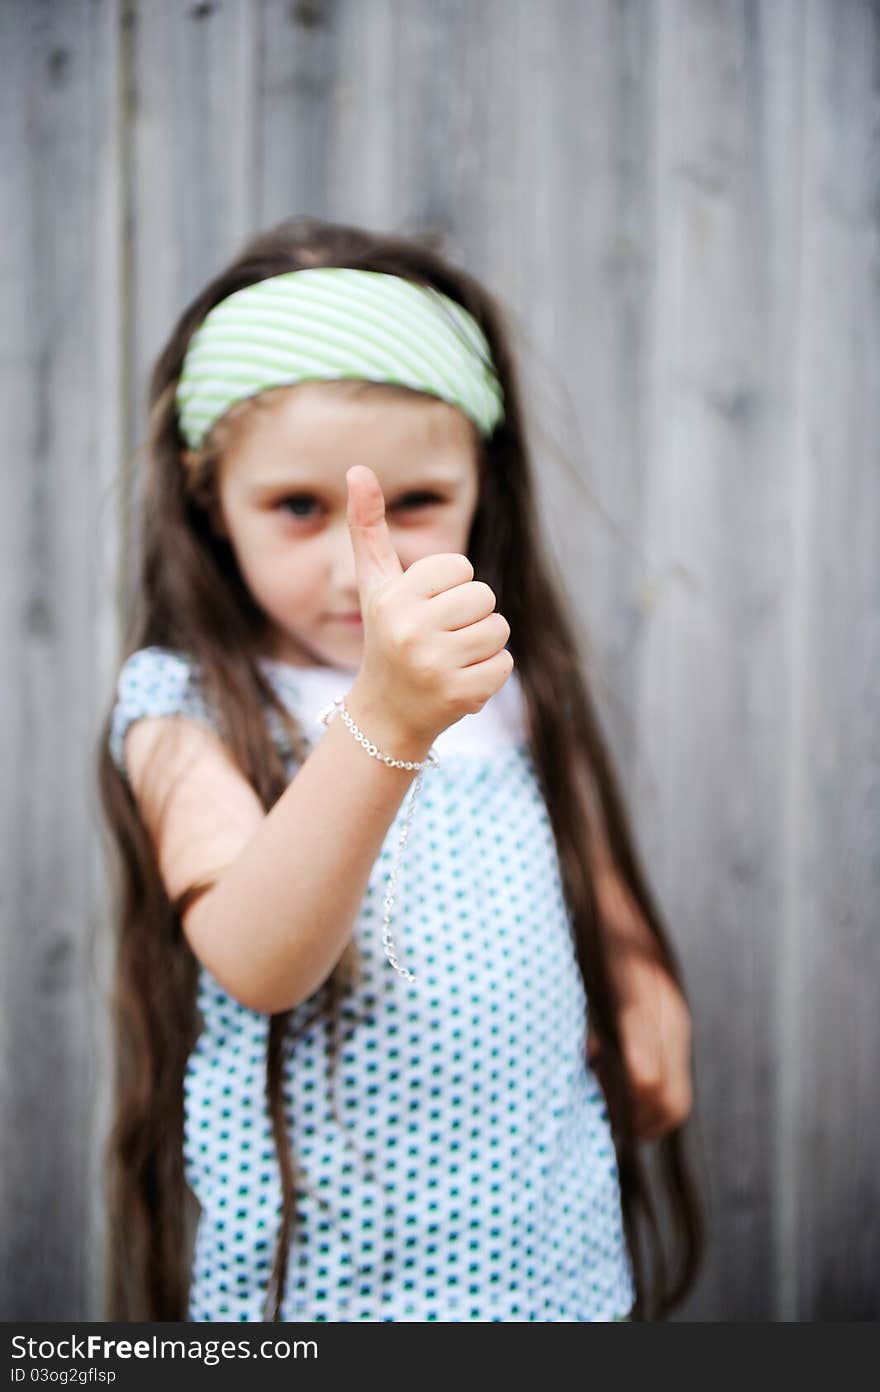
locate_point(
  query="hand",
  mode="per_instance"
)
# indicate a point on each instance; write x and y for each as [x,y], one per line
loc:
[433,643]
[655,1031]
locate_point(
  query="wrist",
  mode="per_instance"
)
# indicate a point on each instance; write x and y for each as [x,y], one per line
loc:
[384,729]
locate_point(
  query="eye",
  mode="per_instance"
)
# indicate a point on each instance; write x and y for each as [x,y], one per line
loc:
[419,499]
[298,503]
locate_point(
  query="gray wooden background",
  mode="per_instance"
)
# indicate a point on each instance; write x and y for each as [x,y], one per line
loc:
[677,204]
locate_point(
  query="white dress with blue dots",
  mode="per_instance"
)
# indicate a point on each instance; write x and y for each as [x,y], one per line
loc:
[462,1165]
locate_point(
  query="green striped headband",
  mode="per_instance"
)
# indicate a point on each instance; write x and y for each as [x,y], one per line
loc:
[332,322]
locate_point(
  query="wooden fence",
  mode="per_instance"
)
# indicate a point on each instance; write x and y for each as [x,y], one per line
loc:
[676,202]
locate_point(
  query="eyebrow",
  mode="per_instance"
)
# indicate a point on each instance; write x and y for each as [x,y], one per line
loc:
[436,477]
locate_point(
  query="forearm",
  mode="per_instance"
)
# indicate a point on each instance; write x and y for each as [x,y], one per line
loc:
[282,913]
[621,920]
[634,955]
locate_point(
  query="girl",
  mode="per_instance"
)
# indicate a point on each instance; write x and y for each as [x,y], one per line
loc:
[375,861]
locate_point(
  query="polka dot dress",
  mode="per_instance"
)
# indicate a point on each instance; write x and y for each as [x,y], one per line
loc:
[458,1165]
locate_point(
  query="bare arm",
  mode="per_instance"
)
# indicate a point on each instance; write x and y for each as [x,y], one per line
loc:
[653,1016]
[283,911]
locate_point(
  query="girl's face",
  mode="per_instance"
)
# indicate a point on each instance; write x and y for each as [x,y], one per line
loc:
[282,502]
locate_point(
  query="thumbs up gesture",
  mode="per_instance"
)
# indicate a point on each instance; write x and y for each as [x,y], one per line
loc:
[433,641]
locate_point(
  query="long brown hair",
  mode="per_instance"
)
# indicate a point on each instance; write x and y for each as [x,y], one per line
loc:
[191,598]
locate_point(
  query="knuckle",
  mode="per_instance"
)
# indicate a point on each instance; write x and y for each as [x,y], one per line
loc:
[460,701]
[403,633]
[418,565]
[464,694]
[382,602]
[644,1073]
[473,700]
[466,568]
[652,1083]
[486,592]
[673,1117]
[684,1105]
[475,705]
[424,668]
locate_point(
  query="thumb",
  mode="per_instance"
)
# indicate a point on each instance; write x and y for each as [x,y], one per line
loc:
[375,558]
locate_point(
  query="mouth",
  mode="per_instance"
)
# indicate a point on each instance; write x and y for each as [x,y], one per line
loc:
[354,618]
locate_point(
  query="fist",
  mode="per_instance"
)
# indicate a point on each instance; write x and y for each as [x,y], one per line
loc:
[433,641]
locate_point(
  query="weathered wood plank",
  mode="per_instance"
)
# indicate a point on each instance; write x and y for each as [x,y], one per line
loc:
[57,330]
[676,206]
[711,632]
[833,808]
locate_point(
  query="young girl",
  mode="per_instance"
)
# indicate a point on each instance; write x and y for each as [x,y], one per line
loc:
[377,874]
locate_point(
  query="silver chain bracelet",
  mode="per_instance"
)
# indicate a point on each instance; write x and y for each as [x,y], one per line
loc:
[419,766]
